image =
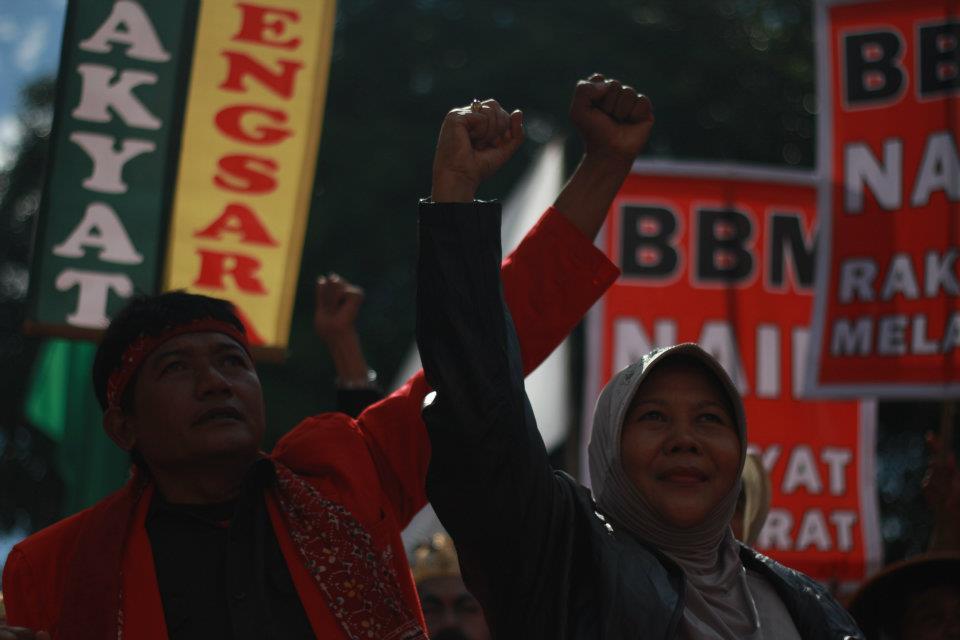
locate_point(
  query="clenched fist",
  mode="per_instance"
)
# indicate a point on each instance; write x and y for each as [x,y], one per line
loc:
[474,142]
[336,305]
[612,119]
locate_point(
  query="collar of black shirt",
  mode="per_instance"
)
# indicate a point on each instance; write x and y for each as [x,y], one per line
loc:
[260,476]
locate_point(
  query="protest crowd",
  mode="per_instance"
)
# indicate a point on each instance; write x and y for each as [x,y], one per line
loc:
[214,537]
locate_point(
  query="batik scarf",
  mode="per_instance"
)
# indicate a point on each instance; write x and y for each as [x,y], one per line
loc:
[356,580]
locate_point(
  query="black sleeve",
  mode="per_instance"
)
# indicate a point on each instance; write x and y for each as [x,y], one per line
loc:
[489,478]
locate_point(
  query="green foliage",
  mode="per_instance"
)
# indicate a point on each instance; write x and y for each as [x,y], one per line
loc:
[32,490]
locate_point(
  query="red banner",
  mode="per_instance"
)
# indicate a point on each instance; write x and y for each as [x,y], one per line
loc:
[724,256]
[887,314]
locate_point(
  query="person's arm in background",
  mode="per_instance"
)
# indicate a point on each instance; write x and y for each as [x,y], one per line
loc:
[336,305]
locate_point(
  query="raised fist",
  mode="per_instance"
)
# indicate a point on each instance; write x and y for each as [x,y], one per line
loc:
[474,142]
[612,119]
[336,304]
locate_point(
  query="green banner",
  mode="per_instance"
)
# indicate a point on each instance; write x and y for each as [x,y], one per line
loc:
[62,405]
[115,140]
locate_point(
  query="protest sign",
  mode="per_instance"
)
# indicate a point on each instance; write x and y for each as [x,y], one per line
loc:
[887,312]
[723,256]
[250,139]
[101,225]
[184,152]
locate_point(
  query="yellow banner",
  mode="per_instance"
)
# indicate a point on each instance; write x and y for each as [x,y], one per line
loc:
[249,148]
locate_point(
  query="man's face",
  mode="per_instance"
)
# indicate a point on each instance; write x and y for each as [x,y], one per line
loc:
[450,611]
[197,400]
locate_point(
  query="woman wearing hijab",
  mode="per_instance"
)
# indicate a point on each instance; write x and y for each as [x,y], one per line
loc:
[653,556]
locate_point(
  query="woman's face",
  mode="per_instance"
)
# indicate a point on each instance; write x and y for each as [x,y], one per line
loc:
[679,444]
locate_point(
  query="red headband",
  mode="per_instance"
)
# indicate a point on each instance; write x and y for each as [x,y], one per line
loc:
[143,346]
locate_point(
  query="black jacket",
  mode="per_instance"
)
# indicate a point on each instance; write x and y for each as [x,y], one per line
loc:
[533,549]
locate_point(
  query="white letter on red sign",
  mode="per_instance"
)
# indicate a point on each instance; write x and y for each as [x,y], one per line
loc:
[768,361]
[900,279]
[844,521]
[938,273]
[802,472]
[856,279]
[776,530]
[939,170]
[799,343]
[851,337]
[860,167]
[631,342]
[837,459]
[892,335]
[813,531]
[920,344]
[718,340]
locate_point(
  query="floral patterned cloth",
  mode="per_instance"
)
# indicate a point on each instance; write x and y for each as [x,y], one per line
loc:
[357,581]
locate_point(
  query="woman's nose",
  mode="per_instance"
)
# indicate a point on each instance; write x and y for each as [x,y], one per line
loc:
[682,439]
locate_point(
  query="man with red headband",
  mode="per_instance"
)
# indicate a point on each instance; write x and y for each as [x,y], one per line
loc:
[212,538]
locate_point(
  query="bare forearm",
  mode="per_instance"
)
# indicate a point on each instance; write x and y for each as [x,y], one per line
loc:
[348,358]
[586,198]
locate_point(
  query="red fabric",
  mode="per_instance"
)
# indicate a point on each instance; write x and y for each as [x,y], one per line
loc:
[358,580]
[65,578]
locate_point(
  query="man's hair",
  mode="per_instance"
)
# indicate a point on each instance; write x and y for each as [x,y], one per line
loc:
[151,316]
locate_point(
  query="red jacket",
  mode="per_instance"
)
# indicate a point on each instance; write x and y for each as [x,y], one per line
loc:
[374,465]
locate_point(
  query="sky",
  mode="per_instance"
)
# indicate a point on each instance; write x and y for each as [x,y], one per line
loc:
[30,32]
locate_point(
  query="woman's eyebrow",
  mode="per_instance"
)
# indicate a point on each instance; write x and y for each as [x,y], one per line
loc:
[640,400]
[712,403]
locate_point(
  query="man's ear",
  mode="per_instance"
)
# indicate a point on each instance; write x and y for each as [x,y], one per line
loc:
[119,427]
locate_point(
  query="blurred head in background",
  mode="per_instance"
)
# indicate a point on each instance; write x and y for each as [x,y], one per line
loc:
[451,612]
[914,599]
[753,505]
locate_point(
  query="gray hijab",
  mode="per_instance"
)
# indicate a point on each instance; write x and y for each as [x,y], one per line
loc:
[718,603]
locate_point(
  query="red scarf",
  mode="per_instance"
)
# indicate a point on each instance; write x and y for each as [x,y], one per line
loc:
[355,579]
